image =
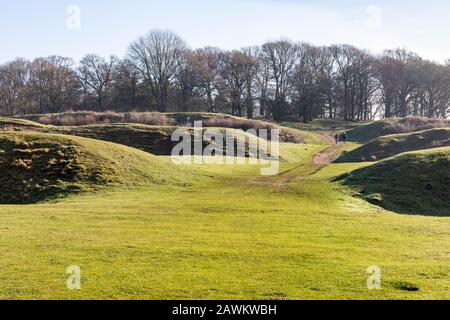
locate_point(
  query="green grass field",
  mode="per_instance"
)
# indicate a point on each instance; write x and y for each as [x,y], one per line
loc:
[411,183]
[223,232]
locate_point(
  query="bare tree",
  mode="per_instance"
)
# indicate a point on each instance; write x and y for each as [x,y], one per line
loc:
[251,71]
[157,56]
[14,77]
[345,59]
[187,81]
[95,74]
[127,82]
[282,57]
[432,96]
[53,84]
[397,73]
[236,68]
[206,64]
[364,87]
[311,81]
[263,76]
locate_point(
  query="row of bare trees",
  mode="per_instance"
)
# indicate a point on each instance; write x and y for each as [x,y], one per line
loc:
[278,80]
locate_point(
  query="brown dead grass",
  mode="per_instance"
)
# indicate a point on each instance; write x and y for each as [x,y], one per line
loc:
[93,118]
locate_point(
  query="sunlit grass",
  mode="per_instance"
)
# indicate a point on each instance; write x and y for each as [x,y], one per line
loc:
[224,236]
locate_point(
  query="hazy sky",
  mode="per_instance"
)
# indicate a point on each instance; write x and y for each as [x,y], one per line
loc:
[31,28]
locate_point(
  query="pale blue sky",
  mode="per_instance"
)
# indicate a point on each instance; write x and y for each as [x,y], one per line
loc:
[30,28]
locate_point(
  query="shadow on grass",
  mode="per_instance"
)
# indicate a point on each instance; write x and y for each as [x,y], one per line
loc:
[414,184]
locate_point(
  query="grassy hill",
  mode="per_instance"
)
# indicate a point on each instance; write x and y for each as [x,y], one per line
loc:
[152,139]
[414,182]
[373,130]
[40,166]
[215,120]
[390,145]
[324,125]
[156,140]
[15,124]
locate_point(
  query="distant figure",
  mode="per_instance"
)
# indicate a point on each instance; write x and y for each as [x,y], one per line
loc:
[344,137]
[188,122]
[336,137]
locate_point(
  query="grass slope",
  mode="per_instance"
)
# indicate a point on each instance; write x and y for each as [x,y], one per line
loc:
[14,124]
[152,139]
[156,140]
[39,166]
[373,130]
[287,134]
[414,182]
[293,236]
[388,146]
[322,131]
[166,119]
[324,125]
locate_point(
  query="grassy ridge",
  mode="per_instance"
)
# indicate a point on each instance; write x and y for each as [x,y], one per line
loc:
[388,146]
[158,140]
[40,166]
[413,182]
[373,130]
[14,124]
[167,119]
[325,125]
[150,138]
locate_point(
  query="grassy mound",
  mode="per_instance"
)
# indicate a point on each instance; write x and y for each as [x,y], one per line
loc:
[153,139]
[217,120]
[214,120]
[413,183]
[15,124]
[321,131]
[373,130]
[39,166]
[388,146]
[324,125]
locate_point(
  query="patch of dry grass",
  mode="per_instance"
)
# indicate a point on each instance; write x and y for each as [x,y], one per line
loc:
[92,118]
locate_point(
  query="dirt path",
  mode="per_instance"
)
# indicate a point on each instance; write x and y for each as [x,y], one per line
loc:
[328,139]
[322,159]
[327,156]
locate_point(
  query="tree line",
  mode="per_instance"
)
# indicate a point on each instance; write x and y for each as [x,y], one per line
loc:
[278,80]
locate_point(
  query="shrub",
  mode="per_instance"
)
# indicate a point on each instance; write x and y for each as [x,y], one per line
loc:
[414,124]
[153,119]
[91,118]
[235,124]
[68,119]
[159,119]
